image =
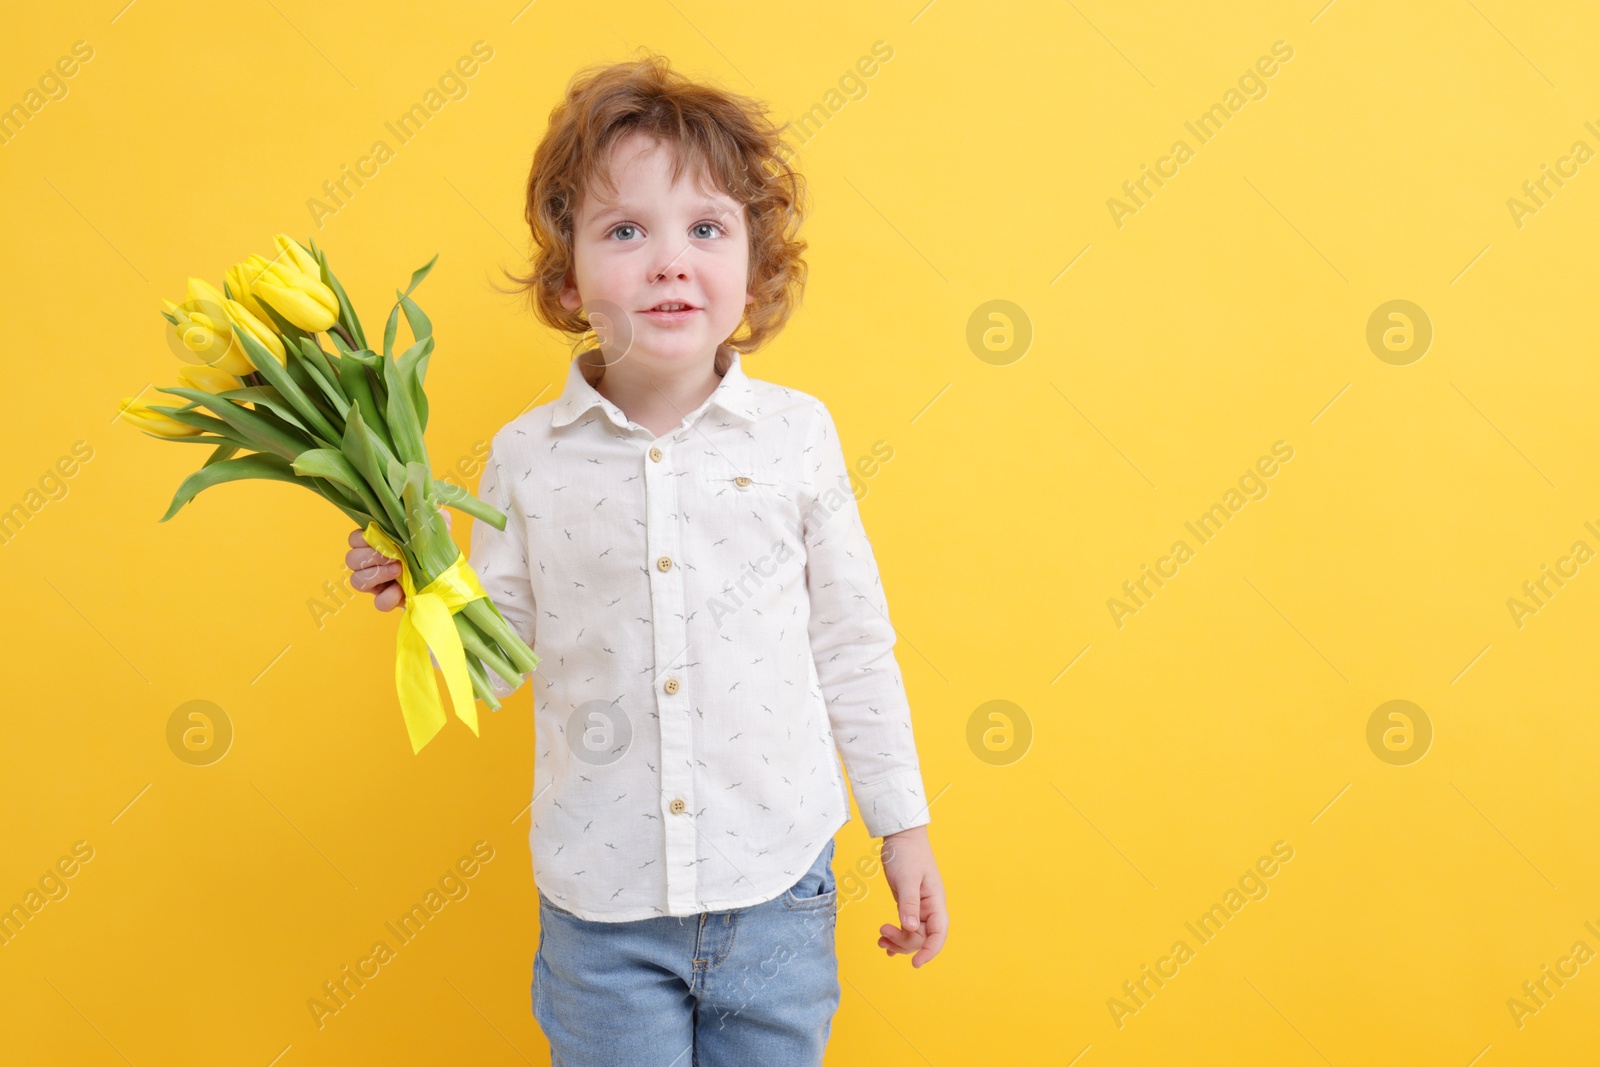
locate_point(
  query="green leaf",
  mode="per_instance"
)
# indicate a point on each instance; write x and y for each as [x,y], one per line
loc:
[357,382]
[292,336]
[413,365]
[389,329]
[380,394]
[421,327]
[316,363]
[401,413]
[255,428]
[281,379]
[430,537]
[333,465]
[420,273]
[260,465]
[300,371]
[397,475]
[452,495]
[315,354]
[221,453]
[271,418]
[201,439]
[268,397]
[362,451]
[347,311]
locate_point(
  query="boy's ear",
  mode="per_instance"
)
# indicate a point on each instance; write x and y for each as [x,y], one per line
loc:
[569,294]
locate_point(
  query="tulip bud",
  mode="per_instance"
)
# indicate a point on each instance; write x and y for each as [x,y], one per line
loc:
[239,318]
[141,416]
[292,286]
[304,261]
[203,291]
[241,276]
[208,379]
[206,334]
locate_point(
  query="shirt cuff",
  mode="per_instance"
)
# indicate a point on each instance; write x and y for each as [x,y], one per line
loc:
[892,804]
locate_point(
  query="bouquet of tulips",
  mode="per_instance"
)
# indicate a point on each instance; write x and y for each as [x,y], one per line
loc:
[346,424]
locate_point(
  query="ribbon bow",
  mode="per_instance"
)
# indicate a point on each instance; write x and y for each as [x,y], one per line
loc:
[426,623]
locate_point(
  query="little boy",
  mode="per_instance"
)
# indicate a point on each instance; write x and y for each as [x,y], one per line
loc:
[684,543]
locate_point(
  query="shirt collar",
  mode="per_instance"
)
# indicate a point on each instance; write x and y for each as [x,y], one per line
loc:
[733,394]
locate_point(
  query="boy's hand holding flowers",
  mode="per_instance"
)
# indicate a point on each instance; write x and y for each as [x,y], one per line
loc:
[373,572]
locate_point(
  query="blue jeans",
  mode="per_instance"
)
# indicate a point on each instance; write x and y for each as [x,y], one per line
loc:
[755,985]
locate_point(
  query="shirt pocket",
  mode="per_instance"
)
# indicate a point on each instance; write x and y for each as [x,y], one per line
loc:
[732,482]
[740,497]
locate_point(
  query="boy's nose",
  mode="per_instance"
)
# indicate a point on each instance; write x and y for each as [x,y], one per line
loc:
[673,263]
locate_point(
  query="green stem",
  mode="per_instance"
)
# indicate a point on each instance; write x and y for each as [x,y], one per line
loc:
[481,687]
[473,640]
[494,626]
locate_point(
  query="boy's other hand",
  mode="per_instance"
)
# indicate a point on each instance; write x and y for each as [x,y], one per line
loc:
[375,573]
[913,877]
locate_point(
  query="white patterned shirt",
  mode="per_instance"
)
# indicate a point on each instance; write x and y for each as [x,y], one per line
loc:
[713,638]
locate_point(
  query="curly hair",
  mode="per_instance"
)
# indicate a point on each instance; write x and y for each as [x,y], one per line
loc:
[725,135]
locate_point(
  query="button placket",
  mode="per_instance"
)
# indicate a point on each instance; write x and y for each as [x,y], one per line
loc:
[667,615]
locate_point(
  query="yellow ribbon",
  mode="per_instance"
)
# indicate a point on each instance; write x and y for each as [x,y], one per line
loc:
[426,623]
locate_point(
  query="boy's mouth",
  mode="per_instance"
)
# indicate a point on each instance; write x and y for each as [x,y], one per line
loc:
[670,311]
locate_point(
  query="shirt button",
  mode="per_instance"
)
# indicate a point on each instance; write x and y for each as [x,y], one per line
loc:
[655,454]
[664,563]
[678,806]
[671,686]
[741,481]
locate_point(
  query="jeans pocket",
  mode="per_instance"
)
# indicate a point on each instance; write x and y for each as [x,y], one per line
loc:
[538,982]
[816,888]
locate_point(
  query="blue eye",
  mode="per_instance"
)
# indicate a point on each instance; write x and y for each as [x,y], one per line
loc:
[717,228]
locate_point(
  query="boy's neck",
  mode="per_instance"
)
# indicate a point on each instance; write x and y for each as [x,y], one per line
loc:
[657,399]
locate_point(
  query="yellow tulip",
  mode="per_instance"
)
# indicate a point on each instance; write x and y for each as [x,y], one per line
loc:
[303,260]
[205,331]
[239,318]
[292,286]
[204,291]
[207,324]
[207,379]
[155,422]
[241,276]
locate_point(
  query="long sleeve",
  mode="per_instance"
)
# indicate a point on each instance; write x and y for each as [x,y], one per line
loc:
[852,644]
[500,558]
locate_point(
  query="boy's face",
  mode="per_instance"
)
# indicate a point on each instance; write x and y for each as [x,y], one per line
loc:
[656,242]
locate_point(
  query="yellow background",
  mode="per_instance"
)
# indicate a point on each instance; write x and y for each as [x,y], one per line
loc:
[1167,754]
